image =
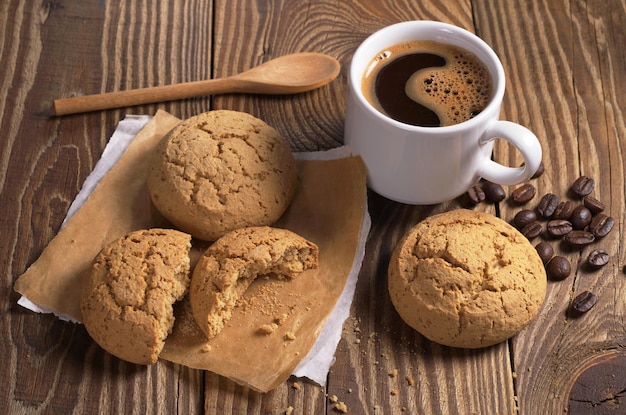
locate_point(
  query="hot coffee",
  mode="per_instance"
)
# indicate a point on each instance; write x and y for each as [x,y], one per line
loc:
[429,165]
[427,83]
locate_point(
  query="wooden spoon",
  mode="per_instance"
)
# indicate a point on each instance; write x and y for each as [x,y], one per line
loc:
[287,74]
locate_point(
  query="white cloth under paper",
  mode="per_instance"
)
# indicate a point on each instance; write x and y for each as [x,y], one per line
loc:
[317,363]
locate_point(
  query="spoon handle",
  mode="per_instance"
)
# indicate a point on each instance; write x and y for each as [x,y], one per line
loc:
[119,99]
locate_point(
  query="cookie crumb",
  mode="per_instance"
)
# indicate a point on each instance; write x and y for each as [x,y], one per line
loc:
[206,347]
[394,392]
[409,380]
[334,399]
[393,373]
[296,385]
[289,410]
[341,407]
[290,336]
[268,328]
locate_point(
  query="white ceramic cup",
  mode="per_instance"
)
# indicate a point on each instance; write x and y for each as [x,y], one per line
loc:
[428,165]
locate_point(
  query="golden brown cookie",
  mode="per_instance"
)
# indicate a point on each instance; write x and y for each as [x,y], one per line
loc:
[230,265]
[222,170]
[466,279]
[127,300]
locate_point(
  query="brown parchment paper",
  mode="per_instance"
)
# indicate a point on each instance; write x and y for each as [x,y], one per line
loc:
[328,209]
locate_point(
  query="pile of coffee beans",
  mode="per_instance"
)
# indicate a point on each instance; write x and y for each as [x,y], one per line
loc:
[577,221]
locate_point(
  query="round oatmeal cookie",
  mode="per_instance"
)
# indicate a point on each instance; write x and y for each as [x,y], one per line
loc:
[466,279]
[127,300]
[229,266]
[219,171]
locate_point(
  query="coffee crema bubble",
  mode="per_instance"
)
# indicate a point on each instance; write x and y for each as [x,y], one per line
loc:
[428,84]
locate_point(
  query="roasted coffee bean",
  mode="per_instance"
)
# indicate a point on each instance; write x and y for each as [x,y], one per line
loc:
[524,217]
[493,192]
[475,195]
[579,239]
[580,217]
[598,258]
[545,251]
[601,225]
[558,268]
[523,194]
[582,186]
[582,303]
[559,227]
[539,171]
[563,210]
[547,205]
[593,204]
[532,230]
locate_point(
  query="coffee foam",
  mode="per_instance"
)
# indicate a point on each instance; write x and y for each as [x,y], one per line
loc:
[456,92]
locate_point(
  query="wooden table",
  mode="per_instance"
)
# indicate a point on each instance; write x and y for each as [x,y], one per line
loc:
[565,64]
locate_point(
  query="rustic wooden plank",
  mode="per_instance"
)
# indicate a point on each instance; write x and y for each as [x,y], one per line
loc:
[565,62]
[250,34]
[56,49]
[224,396]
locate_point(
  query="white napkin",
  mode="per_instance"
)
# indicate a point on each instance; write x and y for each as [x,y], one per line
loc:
[316,364]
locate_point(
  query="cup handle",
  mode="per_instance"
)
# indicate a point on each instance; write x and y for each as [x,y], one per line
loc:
[525,141]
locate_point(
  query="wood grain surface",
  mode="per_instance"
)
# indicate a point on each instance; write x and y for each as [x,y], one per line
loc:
[564,61]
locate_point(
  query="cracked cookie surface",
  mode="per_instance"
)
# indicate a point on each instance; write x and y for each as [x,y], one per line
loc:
[466,279]
[231,264]
[222,170]
[127,300]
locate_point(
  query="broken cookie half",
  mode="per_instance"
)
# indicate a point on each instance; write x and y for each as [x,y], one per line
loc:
[127,300]
[235,260]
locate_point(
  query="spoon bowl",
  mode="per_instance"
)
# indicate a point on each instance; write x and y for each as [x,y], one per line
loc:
[288,74]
